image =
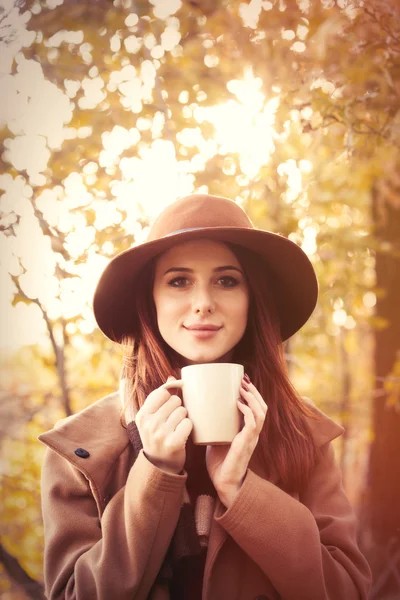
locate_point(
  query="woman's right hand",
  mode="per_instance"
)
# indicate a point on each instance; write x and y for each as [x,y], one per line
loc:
[164,429]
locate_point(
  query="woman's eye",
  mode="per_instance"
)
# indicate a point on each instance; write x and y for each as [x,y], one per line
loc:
[173,281]
[232,281]
[229,281]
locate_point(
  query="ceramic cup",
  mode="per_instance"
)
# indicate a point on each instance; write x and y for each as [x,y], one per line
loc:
[210,393]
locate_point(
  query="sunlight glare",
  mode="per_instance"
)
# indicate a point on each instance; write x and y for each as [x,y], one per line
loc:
[144,183]
[244,126]
[309,245]
[294,178]
[339,317]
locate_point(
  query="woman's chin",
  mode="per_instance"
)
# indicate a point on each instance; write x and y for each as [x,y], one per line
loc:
[203,357]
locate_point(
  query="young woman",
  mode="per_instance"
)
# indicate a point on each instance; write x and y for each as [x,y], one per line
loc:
[132,508]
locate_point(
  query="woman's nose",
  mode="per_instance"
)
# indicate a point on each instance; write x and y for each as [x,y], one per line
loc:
[203,301]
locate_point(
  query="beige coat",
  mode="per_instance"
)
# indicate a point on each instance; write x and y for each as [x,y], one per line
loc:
[108,523]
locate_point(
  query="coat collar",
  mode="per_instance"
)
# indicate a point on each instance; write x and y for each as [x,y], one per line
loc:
[98,430]
[323,428]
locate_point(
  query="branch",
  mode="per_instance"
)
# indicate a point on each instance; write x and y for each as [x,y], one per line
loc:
[87,11]
[58,351]
[32,588]
[392,569]
[57,239]
[16,413]
[373,16]
[370,130]
[4,14]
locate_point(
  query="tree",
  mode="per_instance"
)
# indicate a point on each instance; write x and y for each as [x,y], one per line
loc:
[133,82]
[383,492]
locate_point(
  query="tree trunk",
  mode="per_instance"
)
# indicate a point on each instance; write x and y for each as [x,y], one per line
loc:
[382,510]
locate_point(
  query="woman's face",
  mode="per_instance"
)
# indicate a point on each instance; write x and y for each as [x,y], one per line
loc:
[201,282]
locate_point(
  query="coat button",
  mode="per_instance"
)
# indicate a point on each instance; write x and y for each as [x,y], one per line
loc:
[82,453]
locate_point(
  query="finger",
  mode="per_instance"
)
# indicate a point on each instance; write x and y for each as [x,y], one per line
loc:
[156,399]
[253,403]
[244,442]
[249,418]
[171,383]
[167,409]
[257,395]
[259,398]
[175,418]
[181,433]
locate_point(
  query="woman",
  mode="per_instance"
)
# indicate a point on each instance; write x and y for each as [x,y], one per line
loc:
[132,509]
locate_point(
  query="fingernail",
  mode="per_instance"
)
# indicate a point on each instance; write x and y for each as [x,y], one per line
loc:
[247,378]
[242,400]
[245,386]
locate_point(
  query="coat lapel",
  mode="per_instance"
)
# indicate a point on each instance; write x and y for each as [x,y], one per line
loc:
[323,430]
[96,429]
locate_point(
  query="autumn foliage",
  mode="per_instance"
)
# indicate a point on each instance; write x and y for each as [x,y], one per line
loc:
[109,111]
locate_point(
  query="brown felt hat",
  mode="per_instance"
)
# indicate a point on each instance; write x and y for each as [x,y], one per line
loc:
[212,217]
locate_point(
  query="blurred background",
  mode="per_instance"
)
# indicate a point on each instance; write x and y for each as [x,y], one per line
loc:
[109,111]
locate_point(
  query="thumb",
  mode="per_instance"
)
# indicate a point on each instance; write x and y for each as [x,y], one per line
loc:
[171,377]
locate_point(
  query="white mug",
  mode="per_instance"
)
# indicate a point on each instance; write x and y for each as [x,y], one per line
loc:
[210,393]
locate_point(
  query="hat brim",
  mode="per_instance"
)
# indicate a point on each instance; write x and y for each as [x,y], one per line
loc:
[296,286]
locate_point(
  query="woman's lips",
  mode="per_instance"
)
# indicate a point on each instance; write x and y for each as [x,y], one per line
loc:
[203,333]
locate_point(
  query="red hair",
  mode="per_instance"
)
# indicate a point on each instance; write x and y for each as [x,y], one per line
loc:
[286,443]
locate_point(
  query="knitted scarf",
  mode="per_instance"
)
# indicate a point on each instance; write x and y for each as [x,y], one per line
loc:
[197,509]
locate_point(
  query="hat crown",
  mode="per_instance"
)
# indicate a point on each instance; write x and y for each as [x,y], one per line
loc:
[198,211]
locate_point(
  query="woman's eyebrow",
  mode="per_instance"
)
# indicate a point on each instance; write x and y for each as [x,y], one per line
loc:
[216,270]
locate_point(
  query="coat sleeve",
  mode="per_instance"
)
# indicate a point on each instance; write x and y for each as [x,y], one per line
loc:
[119,555]
[307,548]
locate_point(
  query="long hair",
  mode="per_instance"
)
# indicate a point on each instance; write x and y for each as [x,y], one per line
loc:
[286,443]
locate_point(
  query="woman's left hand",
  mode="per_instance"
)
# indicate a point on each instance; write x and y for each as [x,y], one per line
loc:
[227,465]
